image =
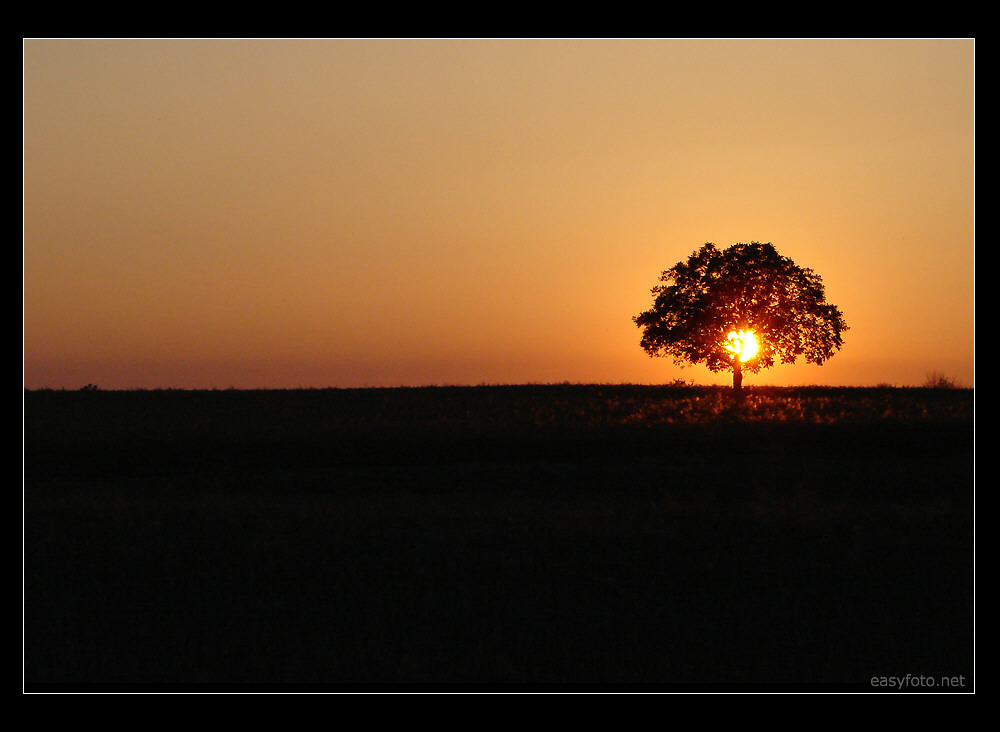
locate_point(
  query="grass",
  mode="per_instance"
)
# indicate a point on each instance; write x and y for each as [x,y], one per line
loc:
[562,536]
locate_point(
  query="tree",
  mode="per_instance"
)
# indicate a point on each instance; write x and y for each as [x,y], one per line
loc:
[741,308]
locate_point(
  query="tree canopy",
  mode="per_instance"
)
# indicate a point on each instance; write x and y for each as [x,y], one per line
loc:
[744,288]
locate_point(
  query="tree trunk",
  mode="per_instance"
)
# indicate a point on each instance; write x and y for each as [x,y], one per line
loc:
[737,378]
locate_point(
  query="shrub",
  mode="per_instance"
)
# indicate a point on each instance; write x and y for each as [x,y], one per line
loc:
[937,380]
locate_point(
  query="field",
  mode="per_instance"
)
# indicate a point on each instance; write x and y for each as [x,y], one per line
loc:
[593,537]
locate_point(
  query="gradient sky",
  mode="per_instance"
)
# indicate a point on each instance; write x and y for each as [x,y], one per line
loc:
[311,213]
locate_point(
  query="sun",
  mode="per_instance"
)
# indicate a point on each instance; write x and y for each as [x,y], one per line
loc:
[742,344]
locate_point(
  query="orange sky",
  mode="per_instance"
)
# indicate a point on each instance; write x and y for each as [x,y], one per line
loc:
[286,213]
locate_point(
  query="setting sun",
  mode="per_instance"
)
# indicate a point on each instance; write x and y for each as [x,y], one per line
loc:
[742,344]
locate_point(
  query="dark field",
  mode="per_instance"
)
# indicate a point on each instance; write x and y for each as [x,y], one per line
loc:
[462,538]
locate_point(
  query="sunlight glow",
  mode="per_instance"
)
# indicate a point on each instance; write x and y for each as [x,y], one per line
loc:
[742,344]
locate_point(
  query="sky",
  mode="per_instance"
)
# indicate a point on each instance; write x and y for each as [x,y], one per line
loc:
[285,213]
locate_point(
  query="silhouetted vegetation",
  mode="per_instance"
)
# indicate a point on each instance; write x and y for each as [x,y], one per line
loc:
[550,534]
[743,288]
[937,380]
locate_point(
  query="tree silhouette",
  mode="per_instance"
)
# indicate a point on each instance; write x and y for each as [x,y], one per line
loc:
[719,299]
